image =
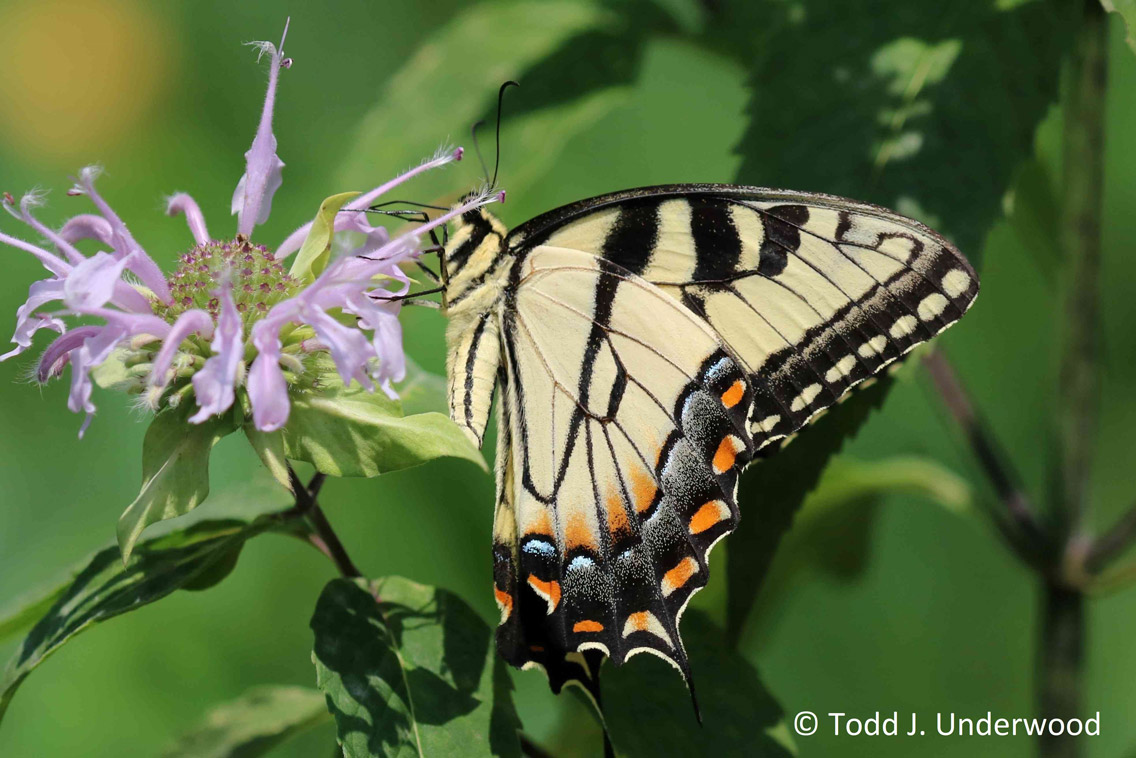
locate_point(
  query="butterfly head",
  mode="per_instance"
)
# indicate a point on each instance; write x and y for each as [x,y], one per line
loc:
[473,252]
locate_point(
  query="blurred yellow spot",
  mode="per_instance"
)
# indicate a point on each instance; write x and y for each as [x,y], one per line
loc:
[78,75]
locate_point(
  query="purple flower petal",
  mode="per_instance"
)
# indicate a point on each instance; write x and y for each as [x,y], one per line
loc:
[28,322]
[95,350]
[35,200]
[52,263]
[191,322]
[53,359]
[183,203]
[252,200]
[213,384]
[348,346]
[121,240]
[91,284]
[88,226]
[267,388]
[354,209]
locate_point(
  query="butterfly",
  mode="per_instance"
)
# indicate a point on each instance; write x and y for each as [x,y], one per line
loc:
[645,347]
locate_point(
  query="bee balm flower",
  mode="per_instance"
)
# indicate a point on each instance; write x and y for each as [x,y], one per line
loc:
[230,318]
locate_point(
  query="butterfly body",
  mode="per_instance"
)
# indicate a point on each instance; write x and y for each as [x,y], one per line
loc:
[648,345]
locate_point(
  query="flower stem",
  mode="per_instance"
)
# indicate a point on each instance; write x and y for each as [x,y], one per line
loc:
[1061,654]
[321,535]
[1019,524]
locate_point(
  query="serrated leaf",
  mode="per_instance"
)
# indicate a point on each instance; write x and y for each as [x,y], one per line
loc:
[503,37]
[1126,9]
[315,253]
[254,724]
[883,104]
[415,673]
[649,713]
[104,588]
[175,470]
[771,492]
[352,432]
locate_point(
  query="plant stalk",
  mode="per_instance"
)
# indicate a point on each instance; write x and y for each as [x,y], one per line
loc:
[1060,676]
[321,535]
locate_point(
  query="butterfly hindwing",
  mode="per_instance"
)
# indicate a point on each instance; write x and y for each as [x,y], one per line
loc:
[627,426]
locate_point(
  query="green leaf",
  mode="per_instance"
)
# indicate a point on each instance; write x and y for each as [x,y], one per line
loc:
[649,713]
[253,724]
[194,558]
[421,391]
[352,432]
[885,104]
[415,673]
[832,533]
[269,447]
[504,37]
[175,470]
[1127,11]
[30,609]
[315,253]
[772,491]
[541,136]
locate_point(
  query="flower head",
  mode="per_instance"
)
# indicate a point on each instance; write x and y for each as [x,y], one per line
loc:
[230,322]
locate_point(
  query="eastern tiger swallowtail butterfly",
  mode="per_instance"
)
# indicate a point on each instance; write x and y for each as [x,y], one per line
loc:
[648,345]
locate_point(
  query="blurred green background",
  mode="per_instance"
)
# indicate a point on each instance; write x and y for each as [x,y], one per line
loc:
[935,616]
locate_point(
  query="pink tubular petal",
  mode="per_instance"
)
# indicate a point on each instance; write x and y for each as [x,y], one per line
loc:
[267,388]
[387,342]
[213,384]
[356,206]
[95,350]
[183,203]
[88,226]
[52,263]
[92,283]
[349,347]
[252,200]
[28,322]
[132,323]
[123,243]
[191,322]
[32,200]
[50,363]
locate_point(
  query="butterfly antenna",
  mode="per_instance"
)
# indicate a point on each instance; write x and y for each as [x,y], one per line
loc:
[477,148]
[500,100]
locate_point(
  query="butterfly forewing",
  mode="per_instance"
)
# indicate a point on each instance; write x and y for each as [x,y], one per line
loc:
[812,293]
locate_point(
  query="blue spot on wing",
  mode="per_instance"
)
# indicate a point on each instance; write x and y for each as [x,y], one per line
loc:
[539,547]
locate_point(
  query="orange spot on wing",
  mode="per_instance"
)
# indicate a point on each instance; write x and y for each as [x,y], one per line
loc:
[549,590]
[617,522]
[587,626]
[706,516]
[643,489]
[734,394]
[679,575]
[639,621]
[504,601]
[577,533]
[542,525]
[726,455]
